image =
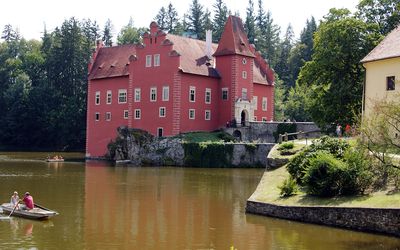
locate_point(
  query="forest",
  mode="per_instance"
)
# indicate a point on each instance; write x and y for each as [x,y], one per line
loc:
[43,83]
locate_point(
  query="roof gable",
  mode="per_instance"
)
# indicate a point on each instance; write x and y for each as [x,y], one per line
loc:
[234,40]
[388,48]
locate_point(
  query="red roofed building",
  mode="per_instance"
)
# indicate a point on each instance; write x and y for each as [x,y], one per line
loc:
[172,84]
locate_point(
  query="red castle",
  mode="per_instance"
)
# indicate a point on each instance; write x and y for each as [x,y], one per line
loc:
[172,84]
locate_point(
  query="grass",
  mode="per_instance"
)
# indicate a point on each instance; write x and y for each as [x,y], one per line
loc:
[268,192]
[275,153]
[203,136]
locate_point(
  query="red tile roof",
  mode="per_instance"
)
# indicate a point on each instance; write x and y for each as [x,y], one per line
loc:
[388,48]
[193,58]
[234,39]
[112,61]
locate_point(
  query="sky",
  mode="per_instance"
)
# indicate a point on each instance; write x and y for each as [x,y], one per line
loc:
[30,17]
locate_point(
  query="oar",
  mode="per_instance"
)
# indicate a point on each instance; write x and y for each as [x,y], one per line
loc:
[16,205]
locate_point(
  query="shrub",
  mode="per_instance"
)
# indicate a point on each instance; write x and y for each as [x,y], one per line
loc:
[299,164]
[286,146]
[334,146]
[357,175]
[288,187]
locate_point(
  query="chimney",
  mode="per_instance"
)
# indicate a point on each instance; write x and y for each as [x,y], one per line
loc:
[208,43]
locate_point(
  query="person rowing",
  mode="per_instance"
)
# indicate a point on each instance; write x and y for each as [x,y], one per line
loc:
[28,200]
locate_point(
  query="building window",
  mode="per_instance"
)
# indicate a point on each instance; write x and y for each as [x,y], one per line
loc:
[244,94]
[97,116]
[126,114]
[109,96]
[153,94]
[97,100]
[165,93]
[160,132]
[264,119]
[390,83]
[156,60]
[148,61]
[264,104]
[192,94]
[137,114]
[191,114]
[208,96]
[122,96]
[255,102]
[244,61]
[108,116]
[244,74]
[255,118]
[207,115]
[137,95]
[162,112]
[225,94]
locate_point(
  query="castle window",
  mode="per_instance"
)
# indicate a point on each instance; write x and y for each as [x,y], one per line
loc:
[160,132]
[165,95]
[224,93]
[264,104]
[255,102]
[156,60]
[126,114]
[97,99]
[109,96]
[137,114]
[390,83]
[97,116]
[208,96]
[244,61]
[244,74]
[122,96]
[108,116]
[153,94]
[192,94]
[191,114]
[162,112]
[148,61]
[137,94]
[207,115]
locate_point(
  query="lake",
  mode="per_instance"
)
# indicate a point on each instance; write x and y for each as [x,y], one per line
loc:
[103,206]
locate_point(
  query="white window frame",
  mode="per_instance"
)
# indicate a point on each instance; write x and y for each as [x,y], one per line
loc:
[153,90]
[194,114]
[208,96]
[138,94]
[97,98]
[255,102]
[244,74]
[109,97]
[209,115]
[227,93]
[108,116]
[192,93]
[244,61]
[160,112]
[244,94]
[97,116]
[126,114]
[148,61]
[165,93]
[138,114]
[122,93]
[156,60]
[264,104]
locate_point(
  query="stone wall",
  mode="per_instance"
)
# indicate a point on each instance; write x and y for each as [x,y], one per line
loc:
[264,131]
[377,220]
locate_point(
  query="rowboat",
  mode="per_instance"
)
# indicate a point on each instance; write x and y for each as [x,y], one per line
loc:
[37,213]
[54,160]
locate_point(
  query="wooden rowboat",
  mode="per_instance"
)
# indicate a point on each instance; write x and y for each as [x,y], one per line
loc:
[37,213]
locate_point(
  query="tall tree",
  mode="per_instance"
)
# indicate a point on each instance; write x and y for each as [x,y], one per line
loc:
[161,18]
[249,25]
[282,66]
[107,33]
[207,20]
[195,22]
[129,34]
[172,19]
[334,74]
[384,13]
[220,16]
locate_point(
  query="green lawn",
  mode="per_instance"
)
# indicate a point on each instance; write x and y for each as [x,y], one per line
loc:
[268,192]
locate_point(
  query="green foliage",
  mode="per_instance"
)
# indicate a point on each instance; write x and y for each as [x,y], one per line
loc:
[129,34]
[288,188]
[207,137]
[285,128]
[286,146]
[220,17]
[334,146]
[195,23]
[357,176]
[298,101]
[250,147]
[210,154]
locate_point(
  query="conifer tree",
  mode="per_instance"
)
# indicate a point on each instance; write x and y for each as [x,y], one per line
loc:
[195,22]
[249,25]
[220,16]
[207,20]
[282,66]
[107,33]
[161,19]
[172,19]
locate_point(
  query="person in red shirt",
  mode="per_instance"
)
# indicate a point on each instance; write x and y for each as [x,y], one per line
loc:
[28,200]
